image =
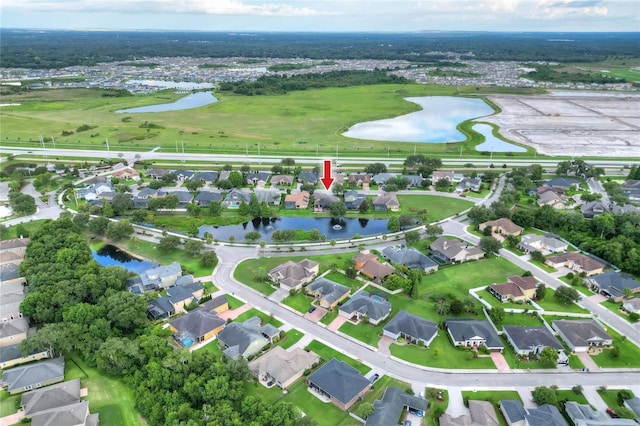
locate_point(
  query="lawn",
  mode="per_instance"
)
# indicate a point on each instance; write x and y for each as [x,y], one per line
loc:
[615,308]
[575,362]
[366,333]
[569,395]
[344,280]
[292,337]
[209,287]
[234,303]
[550,304]
[213,348]
[610,397]
[378,389]
[329,317]
[436,405]
[629,354]
[108,396]
[437,207]
[325,413]
[326,353]
[515,363]
[31,228]
[299,302]
[9,404]
[253,312]
[494,397]
[441,354]
[528,320]
[247,271]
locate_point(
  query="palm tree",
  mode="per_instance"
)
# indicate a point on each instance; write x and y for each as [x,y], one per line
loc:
[442,306]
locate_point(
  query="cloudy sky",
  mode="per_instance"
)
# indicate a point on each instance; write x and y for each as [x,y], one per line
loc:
[324,15]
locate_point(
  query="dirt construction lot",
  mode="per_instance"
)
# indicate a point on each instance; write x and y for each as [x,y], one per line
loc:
[572,123]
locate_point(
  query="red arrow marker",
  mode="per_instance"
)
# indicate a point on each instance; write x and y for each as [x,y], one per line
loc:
[327,180]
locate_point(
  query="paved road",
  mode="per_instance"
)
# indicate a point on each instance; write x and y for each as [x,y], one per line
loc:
[49,210]
[231,256]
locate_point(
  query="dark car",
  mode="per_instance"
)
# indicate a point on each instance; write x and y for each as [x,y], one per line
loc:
[374,378]
[415,412]
[612,414]
[311,309]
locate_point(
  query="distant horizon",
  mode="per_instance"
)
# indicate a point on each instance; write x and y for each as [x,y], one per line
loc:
[326,16]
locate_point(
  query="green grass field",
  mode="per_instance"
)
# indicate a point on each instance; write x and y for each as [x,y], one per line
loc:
[629,354]
[442,354]
[435,405]
[253,312]
[549,303]
[315,120]
[292,336]
[9,404]
[437,207]
[326,353]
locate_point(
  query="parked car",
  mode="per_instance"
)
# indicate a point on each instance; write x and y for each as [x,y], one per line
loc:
[415,412]
[612,413]
[311,309]
[407,423]
[374,378]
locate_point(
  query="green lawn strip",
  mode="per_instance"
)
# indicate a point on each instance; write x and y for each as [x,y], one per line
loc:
[549,303]
[292,337]
[528,320]
[434,406]
[441,354]
[542,266]
[610,397]
[213,348]
[437,207]
[108,396]
[148,250]
[268,395]
[575,362]
[329,317]
[234,303]
[569,395]
[247,270]
[366,333]
[326,353]
[324,412]
[629,354]
[9,404]
[299,302]
[344,280]
[494,397]
[585,291]
[209,287]
[615,308]
[31,227]
[378,389]
[253,312]
[515,363]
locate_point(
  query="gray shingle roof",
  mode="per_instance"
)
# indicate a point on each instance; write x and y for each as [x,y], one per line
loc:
[206,197]
[388,410]
[526,337]
[514,410]
[614,283]
[237,337]
[463,329]
[581,332]
[37,372]
[409,257]
[373,307]
[412,325]
[545,415]
[197,323]
[330,290]
[14,327]
[73,414]
[339,380]
[53,396]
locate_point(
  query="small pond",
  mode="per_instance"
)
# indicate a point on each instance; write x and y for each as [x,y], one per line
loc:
[193,100]
[347,229]
[436,122]
[493,144]
[109,255]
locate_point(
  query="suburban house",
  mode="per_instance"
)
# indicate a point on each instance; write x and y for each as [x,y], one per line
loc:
[282,180]
[473,333]
[530,340]
[502,226]
[446,251]
[412,328]
[53,396]
[205,198]
[17,246]
[382,178]
[414,180]
[182,174]
[141,199]
[386,201]
[582,335]
[553,199]
[447,175]
[157,174]
[563,183]
[206,177]
[394,402]
[269,196]
[632,305]
[409,257]
[545,415]
[322,201]
[341,383]
[184,197]
[482,414]
[585,415]
[245,339]
[12,355]
[11,295]
[293,275]
[297,201]
[216,305]
[126,173]
[174,302]
[367,264]
[9,272]
[516,288]
[161,277]
[359,179]
[592,209]
[613,284]
[34,375]
[633,404]
[469,184]
[307,177]
[14,331]
[363,304]
[257,178]
[282,368]
[541,243]
[577,262]
[72,414]
[353,199]
[234,198]
[328,293]
[631,188]
[196,326]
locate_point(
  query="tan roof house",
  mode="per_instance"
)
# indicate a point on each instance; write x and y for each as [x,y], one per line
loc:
[446,250]
[282,368]
[283,180]
[297,201]
[576,262]
[482,414]
[328,293]
[502,226]
[386,201]
[516,288]
[13,332]
[437,175]
[293,275]
[369,265]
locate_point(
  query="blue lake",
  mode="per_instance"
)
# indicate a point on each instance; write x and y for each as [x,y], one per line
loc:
[493,144]
[348,227]
[193,100]
[109,255]
[435,123]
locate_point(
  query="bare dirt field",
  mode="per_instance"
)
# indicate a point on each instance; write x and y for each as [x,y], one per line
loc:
[577,124]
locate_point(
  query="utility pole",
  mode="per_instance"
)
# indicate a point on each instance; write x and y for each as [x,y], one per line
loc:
[259,159]
[54,142]
[43,147]
[108,151]
[176,147]
[182,151]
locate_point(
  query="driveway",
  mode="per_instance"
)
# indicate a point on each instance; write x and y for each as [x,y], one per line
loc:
[594,398]
[456,403]
[587,361]
[337,323]
[234,313]
[383,345]
[597,298]
[316,315]
[12,418]
[279,295]
[500,362]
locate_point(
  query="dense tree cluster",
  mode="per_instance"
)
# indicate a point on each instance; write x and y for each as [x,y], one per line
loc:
[548,73]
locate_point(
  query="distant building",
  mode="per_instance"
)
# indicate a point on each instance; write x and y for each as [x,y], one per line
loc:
[502,226]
